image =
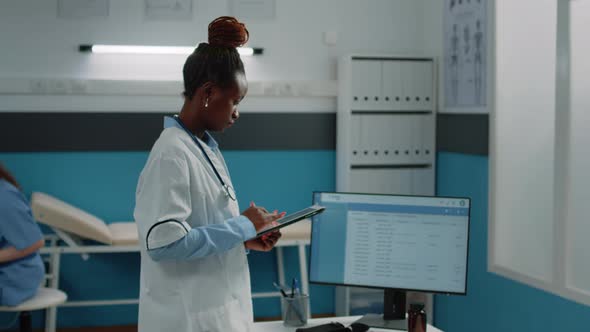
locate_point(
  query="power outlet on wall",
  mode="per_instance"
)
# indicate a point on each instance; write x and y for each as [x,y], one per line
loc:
[330,38]
[38,86]
[46,86]
[280,89]
[57,87]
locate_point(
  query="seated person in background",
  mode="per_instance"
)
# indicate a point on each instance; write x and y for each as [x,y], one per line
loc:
[21,267]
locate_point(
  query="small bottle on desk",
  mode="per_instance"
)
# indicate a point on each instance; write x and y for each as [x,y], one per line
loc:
[416,318]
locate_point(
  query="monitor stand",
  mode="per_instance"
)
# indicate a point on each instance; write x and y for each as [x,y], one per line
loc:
[394,312]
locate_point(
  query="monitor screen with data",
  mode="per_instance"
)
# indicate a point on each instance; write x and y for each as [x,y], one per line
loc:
[388,241]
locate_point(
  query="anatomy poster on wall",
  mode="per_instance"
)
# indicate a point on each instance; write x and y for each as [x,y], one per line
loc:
[465,57]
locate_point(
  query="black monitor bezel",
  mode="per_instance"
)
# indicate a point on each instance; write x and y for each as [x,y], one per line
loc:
[381,288]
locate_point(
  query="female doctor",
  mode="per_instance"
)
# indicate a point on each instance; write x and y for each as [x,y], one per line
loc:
[194,271]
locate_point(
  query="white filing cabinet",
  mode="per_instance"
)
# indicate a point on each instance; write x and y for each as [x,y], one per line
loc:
[385,141]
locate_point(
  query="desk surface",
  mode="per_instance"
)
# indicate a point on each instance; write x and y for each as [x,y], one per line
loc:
[277,326]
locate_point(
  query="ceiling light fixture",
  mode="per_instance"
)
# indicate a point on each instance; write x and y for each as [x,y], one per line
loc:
[138,49]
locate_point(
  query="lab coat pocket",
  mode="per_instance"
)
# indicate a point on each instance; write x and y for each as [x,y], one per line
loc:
[163,283]
[225,318]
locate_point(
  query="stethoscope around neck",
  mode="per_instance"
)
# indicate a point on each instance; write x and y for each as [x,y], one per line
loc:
[229,191]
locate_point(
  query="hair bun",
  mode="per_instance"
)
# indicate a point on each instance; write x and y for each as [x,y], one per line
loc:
[227,31]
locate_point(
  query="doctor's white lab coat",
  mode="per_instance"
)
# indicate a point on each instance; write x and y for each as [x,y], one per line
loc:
[177,191]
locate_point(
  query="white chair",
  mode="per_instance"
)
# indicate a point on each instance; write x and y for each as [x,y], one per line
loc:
[45,298]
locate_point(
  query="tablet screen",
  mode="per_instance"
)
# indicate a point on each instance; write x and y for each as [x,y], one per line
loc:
[293,218]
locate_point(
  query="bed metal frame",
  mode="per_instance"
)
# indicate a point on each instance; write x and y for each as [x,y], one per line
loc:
[65,243]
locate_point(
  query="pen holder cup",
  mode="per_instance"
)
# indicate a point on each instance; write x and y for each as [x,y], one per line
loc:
[295,310]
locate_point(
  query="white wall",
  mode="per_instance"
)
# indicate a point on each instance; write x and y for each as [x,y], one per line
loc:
[37,44]
[539,161]
[522,135]
[578,223]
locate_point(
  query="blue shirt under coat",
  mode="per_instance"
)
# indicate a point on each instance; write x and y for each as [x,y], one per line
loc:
[205,240]
[20,279]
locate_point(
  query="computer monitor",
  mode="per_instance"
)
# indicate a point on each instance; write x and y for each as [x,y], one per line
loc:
[392,242]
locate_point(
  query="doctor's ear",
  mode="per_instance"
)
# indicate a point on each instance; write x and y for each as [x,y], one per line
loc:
[206,89]
[205,92]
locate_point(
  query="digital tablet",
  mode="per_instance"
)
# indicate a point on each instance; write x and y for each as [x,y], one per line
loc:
[292,218]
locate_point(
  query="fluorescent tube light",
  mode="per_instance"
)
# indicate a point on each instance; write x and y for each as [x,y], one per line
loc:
[138,49]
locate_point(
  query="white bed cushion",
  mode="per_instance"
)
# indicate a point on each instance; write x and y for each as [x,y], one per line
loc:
[124,233]
[53,212]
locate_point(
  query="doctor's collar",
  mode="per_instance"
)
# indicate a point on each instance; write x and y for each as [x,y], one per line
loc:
[170,121]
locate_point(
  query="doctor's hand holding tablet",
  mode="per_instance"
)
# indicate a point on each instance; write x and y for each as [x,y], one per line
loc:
[262,219]
[268,224]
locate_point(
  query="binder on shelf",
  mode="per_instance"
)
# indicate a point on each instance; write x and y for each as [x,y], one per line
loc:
[355,139]
[392,85]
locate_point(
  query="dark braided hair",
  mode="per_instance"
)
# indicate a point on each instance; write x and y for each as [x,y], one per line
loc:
[5,174]
[217,61]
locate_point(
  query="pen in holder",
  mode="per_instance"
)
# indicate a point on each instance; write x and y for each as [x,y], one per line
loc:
[295,310]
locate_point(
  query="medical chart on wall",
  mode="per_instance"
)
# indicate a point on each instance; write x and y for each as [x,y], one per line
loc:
[169,10]
[82,9]
[253,9]
[465,55]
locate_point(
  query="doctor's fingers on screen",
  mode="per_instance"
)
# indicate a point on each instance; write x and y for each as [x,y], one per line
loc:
[281,214]
[260,217]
